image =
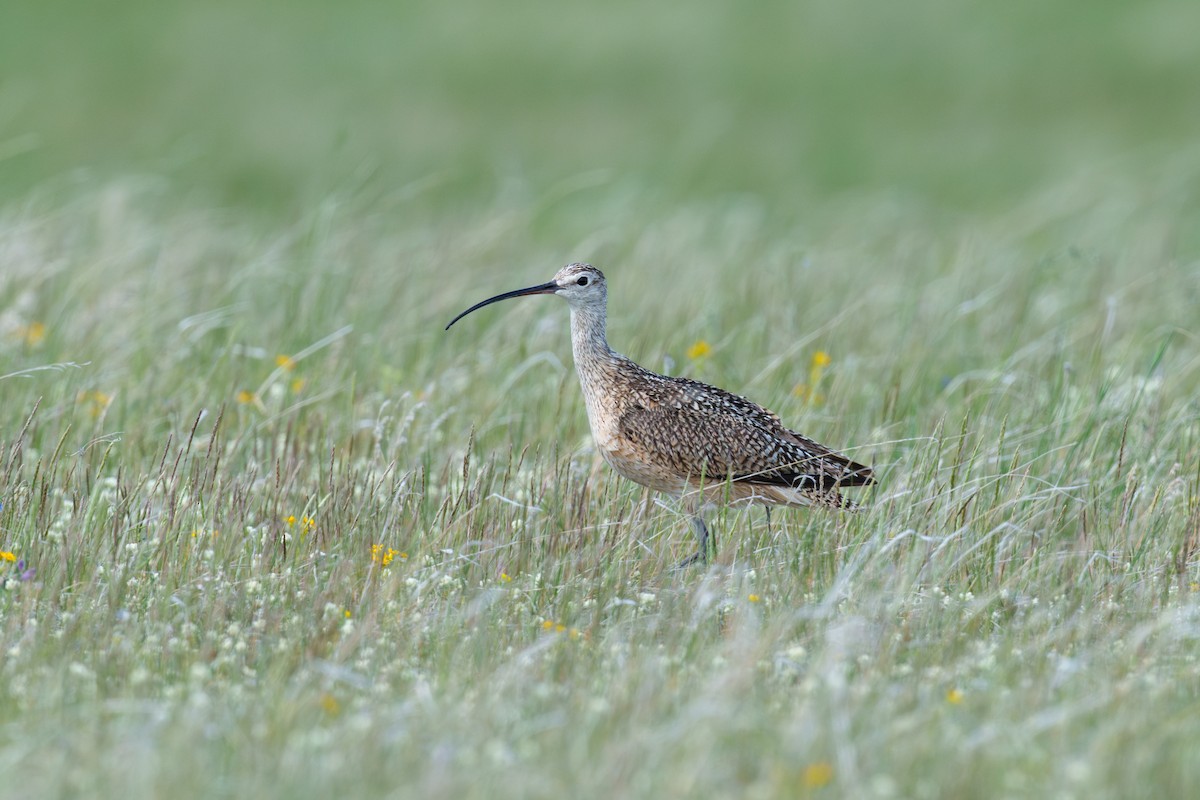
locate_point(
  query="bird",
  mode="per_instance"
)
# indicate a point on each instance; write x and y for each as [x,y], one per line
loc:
[683,437]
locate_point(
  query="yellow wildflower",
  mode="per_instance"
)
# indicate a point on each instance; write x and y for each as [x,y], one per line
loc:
[32,334]
[330,704]
[347,613]
[548,625]
[954,697]
[245,397]
[698,350]
[384,557]
[297,385]
[816,366]
[754,598]
[818,774]
[285,362]
[96,402]
[4,556]
[505,577]
[306,523]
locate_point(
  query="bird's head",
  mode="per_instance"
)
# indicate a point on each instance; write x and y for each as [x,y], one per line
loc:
[581,285]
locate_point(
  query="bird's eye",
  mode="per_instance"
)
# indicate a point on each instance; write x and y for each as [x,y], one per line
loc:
[582,281]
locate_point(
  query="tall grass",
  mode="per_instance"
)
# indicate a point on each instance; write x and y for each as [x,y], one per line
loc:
[288,538]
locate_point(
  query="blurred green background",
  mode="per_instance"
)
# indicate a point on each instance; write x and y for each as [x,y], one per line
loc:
[269,106]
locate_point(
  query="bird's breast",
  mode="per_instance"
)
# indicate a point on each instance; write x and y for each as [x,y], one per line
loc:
[604,406]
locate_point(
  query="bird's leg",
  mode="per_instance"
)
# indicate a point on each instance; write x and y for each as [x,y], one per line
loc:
[702,537]
[703,540]
[768,508]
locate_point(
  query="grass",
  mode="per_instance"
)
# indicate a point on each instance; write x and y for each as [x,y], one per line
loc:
[1015,609]
[274,533]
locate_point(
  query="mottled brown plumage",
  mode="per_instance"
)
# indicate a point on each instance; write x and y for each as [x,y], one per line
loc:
[684,437]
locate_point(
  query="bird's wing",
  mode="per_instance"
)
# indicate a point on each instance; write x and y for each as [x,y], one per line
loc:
[698,430]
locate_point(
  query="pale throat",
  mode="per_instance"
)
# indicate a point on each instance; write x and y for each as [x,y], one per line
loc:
[588,341]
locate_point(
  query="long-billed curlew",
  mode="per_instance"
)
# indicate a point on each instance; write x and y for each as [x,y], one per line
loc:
[681,436]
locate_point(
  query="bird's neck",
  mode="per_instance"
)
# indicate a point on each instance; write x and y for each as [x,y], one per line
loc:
[588,342]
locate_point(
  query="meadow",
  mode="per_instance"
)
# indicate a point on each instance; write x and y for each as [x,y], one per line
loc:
[268,531]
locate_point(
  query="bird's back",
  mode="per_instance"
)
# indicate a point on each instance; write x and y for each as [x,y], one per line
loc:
[677,434]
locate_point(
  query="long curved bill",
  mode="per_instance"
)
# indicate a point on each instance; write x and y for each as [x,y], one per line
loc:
[545,288]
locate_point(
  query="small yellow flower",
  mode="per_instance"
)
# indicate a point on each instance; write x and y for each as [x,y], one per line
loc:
[285,362]
[32,334]
[954,697]
[5,556]
[754,598]
[346,613]
[330,704]
[574,633]
[95,402]
[1194,586]
[818,774]
[298,385]
[559,628]
[384,557]
[306,523]
[505,577]
[808,391]
[548,625]
[699,350]
[245,397]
